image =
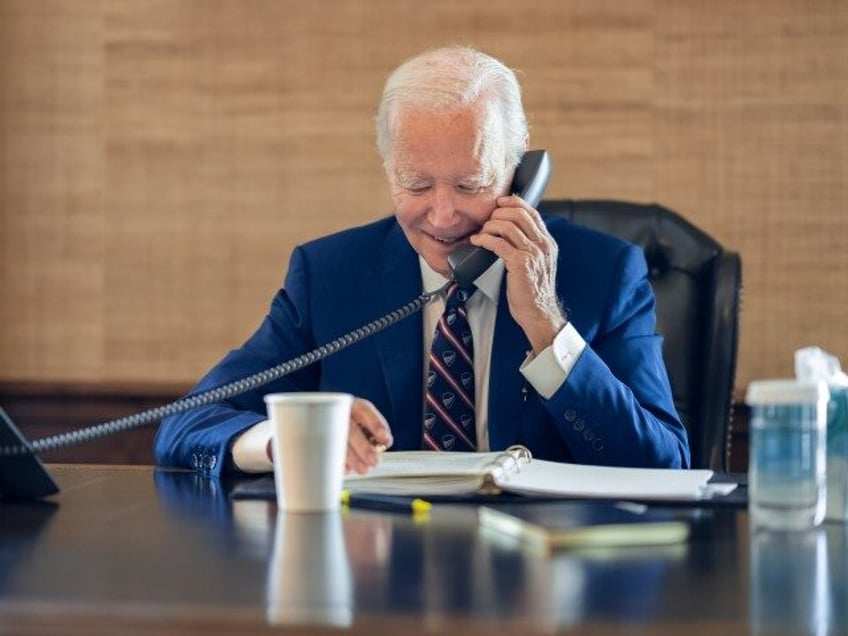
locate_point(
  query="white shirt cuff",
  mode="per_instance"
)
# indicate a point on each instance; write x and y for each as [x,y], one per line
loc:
[249,454]
[548,370]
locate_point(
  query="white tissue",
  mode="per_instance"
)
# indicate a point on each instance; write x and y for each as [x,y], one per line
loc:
[813,364]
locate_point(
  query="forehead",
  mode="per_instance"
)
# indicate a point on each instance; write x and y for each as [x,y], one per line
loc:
[425,140]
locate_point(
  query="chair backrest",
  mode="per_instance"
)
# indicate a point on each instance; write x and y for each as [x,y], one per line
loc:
[697,285]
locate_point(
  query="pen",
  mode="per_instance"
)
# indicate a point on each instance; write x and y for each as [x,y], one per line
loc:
[386,503]
[380,448]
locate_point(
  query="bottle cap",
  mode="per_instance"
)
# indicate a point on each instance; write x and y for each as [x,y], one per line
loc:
[785,392]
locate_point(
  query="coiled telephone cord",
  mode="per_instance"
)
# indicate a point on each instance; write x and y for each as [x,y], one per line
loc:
[224,392]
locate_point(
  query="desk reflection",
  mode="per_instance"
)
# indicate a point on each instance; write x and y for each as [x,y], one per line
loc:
[790,582]
[309,575]
[325,569]
[21,524]
[338,569]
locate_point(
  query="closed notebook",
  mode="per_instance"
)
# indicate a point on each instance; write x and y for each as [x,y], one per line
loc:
[582,524]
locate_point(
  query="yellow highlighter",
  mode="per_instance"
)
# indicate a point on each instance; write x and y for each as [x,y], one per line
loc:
[386,503]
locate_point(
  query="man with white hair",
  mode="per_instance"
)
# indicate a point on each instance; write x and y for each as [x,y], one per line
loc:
[481,368]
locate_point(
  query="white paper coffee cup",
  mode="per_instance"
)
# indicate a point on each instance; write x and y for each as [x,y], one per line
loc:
[309,442]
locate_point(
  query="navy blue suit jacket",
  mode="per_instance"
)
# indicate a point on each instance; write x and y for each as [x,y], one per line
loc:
[615,407]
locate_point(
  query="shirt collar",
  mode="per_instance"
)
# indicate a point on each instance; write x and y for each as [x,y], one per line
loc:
[489,282]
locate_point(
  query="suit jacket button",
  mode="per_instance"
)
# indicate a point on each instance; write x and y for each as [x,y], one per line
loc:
[569,415]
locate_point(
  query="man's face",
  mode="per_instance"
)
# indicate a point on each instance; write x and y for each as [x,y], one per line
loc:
[440,189]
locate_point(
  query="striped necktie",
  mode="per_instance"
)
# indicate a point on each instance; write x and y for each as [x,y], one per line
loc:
[449,409]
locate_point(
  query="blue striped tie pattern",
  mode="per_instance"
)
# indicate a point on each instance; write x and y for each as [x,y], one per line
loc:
[449,409]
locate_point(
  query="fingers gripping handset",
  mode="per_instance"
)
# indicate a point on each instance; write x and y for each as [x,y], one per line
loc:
[530,180]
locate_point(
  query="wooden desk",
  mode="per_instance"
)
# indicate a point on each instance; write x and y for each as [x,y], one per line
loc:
[138,551]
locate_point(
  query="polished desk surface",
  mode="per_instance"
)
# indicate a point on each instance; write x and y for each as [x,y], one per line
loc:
[145,551]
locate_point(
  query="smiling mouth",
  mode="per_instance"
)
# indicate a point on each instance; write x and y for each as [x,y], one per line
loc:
[449,240]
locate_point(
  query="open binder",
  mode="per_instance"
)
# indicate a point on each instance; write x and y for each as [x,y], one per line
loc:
[428,473]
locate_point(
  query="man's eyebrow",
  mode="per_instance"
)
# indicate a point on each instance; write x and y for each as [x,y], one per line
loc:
[478,178]
[404,178]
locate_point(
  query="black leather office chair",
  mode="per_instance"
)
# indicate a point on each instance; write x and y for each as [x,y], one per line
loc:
[698,287]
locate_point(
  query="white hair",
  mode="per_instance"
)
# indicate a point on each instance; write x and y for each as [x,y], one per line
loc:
[453,78]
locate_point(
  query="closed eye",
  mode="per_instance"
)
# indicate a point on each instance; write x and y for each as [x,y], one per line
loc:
[471,188]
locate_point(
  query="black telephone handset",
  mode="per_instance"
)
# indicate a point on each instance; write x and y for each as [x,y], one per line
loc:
[530,180]
[23,476]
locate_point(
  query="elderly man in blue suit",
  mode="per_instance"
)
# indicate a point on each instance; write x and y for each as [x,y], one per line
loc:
[584,384]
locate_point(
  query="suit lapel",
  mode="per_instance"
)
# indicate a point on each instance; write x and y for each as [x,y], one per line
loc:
[509,348]
[397,281]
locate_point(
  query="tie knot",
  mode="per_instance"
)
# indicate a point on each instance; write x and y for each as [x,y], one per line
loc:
[457,295]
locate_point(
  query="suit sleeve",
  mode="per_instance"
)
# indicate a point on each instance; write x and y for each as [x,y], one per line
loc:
[201,438]
[616,406]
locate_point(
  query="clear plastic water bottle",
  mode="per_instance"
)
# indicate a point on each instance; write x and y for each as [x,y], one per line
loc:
[786,476]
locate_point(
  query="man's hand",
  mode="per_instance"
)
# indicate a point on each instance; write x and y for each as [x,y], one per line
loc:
[369,436]
[517,234]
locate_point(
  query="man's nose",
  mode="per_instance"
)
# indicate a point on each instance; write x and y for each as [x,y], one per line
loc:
[443,208]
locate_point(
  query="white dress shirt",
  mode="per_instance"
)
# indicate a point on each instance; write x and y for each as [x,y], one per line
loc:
[545,372]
